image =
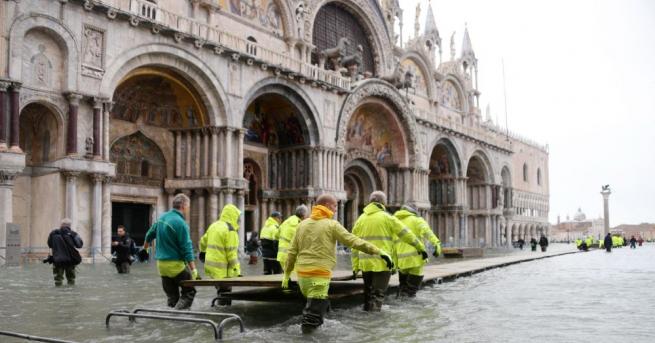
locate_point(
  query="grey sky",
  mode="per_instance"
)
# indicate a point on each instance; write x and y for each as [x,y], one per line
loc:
[580,77]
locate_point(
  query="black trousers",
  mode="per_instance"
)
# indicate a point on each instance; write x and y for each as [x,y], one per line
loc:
[123,267]
[375,288]
[409,284]
[179,297]
[272,266]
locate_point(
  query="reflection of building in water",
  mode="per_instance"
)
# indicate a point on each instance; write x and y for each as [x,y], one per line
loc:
[264,104]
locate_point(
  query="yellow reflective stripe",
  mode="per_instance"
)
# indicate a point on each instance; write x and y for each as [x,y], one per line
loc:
[408,254]
[216,264]
[364,256]
[220,248]
[232,262]
[403,232]
[376,238]
[284,250]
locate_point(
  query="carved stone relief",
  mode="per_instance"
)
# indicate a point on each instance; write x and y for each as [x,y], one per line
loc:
[93,52]
[43,61]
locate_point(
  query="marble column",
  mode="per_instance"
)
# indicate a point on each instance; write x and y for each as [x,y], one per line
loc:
[240,133]
[206,160]
[105,129]
[71,132]
[187,140]
[71,197]
[197,158]
[242,227]
[202,214]
[213,206]
[213,155]
[6,206]
[229,197]
[14,123]
[228,154]
[3,114]
[171,197]
[97,124]
[106,216]
[221,200]
[178,153]
[96,214]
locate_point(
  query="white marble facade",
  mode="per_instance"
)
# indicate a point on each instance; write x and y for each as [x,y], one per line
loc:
[117,105]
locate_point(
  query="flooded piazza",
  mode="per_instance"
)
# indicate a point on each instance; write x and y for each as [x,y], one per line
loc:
[560,299]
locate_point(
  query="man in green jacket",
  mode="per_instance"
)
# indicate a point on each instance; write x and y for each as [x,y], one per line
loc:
[312,255]
[381,229]
[409,262]
[174,253]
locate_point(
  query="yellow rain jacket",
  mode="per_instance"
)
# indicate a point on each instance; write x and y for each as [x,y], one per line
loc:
[381,229]
[406,256]
[221,244]
[270,230]
[314,245]
[589,241]
[288,230]
[578,242]
[615,241]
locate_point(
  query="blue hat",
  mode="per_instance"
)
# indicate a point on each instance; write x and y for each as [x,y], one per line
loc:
[276,214]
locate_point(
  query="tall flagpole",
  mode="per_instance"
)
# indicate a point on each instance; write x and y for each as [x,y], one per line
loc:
[505,96]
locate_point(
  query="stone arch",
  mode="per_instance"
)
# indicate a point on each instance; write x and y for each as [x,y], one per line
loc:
[360,179]
[484,158]
[372,24]
[55,29]
[459,87]
[375,88]
[139,160]
[452,147]
[41,132]
[425,68]
[295,95]
[252,172]
[194,70]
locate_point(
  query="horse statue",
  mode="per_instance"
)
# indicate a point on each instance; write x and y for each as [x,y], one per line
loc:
[400,78]
[354,61]
[334,54]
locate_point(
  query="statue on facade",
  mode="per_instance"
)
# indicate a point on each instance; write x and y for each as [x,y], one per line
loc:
[88,147]
[334,54]
[354,61]
[400,78]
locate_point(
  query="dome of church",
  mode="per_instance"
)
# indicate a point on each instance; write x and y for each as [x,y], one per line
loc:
[579,216]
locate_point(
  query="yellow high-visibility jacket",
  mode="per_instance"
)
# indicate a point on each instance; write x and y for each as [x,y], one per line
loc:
[270,230]
[288,230]
[313,248]
[406,256]
[380,228]
[221,244]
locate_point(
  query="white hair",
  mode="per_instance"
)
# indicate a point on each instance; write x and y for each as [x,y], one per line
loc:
[181,200]
[378,196]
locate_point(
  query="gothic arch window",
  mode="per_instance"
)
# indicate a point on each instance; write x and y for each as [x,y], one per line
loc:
[334,22]
[138,161]
[450,96]
[525,172]
[539,176]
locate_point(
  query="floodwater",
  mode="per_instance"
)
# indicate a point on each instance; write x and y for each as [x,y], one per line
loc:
[585,297]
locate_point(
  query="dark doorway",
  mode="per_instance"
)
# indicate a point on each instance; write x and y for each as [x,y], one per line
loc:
[135,218]
[249,220]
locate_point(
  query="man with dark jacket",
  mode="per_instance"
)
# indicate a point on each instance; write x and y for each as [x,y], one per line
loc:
[608,242]
[64,243]
[123,248]
[543,243]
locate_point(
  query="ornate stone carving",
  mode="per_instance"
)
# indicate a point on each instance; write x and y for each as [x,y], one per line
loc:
[334,54]
[376,88]
[93,47]
[41,68]
[7,177]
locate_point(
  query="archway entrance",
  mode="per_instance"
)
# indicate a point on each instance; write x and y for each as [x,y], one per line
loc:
[443,183]
[156,134]
[479,194]
[278,155]
[39,134]
[360,179]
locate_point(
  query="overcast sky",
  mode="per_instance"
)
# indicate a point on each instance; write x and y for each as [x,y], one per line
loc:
[581,78]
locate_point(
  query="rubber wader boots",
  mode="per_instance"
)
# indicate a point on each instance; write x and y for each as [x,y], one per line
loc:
[313,313]
[375,288]
[221,300]
[413,285]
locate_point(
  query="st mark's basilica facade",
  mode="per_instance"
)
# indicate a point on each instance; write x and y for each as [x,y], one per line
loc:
[108,108]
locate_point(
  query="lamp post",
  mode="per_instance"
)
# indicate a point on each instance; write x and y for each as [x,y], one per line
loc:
[606,200]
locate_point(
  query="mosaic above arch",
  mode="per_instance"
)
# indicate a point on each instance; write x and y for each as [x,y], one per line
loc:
[450,96]
[272,121]
[263,13]
[374,133]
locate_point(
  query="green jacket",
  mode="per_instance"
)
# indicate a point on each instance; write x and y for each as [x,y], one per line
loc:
[406,256]
[221,244]
[381,229]
[173,239]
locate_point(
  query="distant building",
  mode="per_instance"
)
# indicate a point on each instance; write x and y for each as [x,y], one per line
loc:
[579,227]
[643,230]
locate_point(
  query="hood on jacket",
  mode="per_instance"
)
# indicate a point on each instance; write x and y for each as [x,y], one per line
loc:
[373,207]
[271,221]
[402,214]
[230,214]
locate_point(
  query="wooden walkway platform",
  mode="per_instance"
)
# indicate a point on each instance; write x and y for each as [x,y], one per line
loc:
[267,287]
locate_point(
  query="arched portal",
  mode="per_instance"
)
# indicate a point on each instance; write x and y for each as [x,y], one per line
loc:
[253,175]
[40,133]
[279,134]
[157,138]
[443,177]
[479,201]
[360,179]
